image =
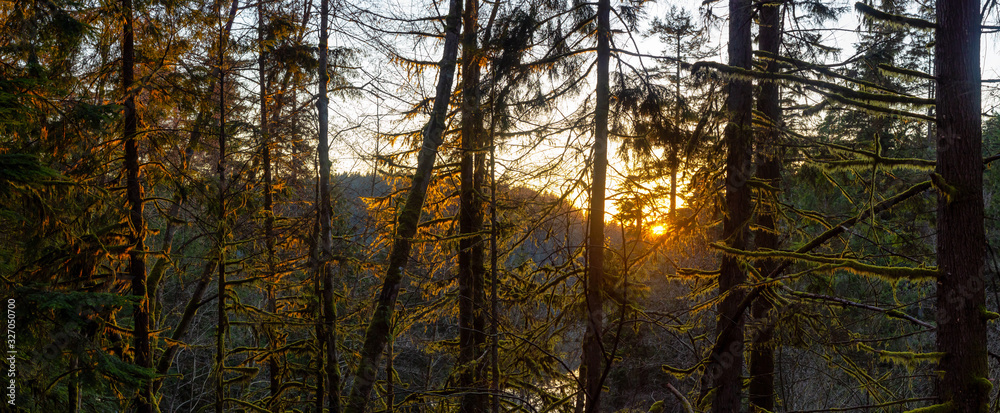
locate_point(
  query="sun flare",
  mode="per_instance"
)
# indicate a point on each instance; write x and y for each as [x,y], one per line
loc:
[657,229]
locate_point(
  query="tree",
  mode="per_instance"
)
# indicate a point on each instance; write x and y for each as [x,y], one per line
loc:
[726,364]
[961,312]
[377,332]
[222,234]
[593,350]
[137,236]
[761,388]
[471,265]
[330,364]
[685,40]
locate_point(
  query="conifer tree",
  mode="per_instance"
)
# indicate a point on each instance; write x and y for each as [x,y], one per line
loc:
[222,232]
[593,350]
[761,388]
[471,265]
[137,235]
[725,367]
[961,313]
[330,364]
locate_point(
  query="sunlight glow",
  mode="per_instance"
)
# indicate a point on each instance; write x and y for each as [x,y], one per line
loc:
[657,229]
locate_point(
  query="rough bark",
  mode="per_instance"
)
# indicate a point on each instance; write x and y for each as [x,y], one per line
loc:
[726,363]
[377,333]
[471,268]
[137,235]
[961,318]
[761,389]
[593,353]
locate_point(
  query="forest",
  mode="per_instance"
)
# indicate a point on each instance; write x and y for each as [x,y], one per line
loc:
[484,206]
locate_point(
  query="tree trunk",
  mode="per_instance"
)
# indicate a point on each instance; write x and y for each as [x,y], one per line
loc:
[726,363]
[137,234]
[331,364]
[191,308]
[961,318]
[273,374]
[593,353]
[406,223]
[768,103]
[471,267]
[223,319]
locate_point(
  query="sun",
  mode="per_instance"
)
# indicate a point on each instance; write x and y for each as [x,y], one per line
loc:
[658,229]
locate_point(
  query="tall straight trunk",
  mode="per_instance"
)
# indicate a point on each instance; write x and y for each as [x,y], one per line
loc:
[675,146]
[378,332]
[471,267]
[961,297]
[761,389]
[223,318]
[315,265]
[165,360]
[726,363]
[494,300]
[273,373]
[332,366]
[593,355]
[137,226]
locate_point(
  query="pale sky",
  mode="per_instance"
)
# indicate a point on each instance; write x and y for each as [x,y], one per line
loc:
[352,154]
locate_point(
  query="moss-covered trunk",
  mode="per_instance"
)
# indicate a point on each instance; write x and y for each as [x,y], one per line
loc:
[377,333]
[726,365]
[761,389]
[137,236]
[471,268]
[329,331]
[222,327]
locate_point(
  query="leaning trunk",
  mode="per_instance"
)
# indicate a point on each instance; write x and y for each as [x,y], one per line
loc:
[726,364]
[961,312]
[378,332]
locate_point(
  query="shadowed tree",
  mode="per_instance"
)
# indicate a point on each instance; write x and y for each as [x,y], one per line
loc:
[137,226]
[471,266]
[327,333]
[961,313]
[761,387]
[725,366]
[593,351]
[377,333]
